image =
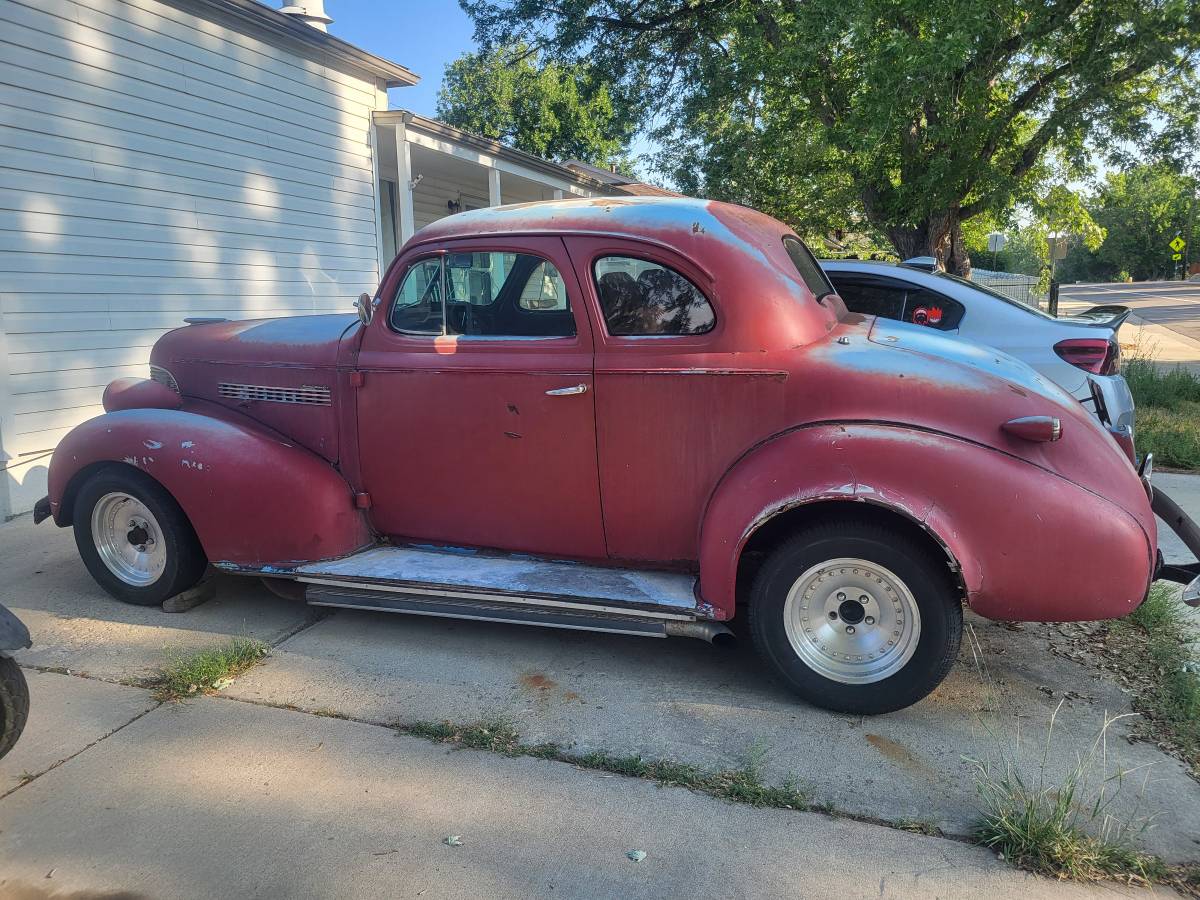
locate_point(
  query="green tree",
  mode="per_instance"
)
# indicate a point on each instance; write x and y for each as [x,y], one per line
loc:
[557,110]
[1142,209]
[911,116]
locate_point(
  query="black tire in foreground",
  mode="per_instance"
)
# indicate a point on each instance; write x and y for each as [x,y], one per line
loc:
[856,617]
[14,703]
[134,538]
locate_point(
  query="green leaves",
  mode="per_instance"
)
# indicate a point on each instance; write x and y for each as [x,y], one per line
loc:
[893,115]
[556,110]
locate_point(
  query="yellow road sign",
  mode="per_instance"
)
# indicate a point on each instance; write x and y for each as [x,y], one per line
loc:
[1176,243]
[1176,256]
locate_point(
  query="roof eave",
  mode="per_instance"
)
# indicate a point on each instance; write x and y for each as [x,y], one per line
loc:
[256,13]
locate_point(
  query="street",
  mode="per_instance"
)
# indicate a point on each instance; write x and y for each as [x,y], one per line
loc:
[1173,305]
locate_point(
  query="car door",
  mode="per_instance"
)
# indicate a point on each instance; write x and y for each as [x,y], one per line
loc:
[476,417]
[673,410]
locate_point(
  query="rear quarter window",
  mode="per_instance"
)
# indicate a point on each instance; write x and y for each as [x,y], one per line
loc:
[806,264]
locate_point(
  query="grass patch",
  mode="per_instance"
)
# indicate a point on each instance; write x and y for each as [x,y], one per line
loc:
[1065,829]
[742,785]
[196,673]
[1168,412]
[1159,649]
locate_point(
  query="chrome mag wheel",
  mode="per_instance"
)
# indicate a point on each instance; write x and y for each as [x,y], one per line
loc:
[852,621]
[128,539]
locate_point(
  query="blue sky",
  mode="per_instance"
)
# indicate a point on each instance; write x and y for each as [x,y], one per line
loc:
[422,35]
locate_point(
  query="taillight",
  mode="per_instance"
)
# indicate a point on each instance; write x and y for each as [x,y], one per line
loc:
[1099,356]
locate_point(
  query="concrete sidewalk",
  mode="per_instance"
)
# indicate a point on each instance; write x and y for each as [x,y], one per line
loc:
[219,798]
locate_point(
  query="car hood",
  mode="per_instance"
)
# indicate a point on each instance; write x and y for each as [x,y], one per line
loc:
[292,341]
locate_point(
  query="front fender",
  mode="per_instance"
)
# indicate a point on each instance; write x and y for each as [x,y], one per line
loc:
[254,499]
[13,633]
[1029,544]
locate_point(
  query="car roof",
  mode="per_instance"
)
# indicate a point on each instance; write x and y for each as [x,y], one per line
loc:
[676,221]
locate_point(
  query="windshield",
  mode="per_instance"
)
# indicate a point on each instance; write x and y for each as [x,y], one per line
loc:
[806,264]
[1032,310]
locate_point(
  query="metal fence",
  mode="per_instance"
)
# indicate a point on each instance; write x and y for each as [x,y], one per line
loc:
[1022,288]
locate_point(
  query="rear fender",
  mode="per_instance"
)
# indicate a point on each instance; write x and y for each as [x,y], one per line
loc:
[1024,541]
[254,499]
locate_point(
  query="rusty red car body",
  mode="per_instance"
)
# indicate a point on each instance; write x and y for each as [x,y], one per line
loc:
[687,453]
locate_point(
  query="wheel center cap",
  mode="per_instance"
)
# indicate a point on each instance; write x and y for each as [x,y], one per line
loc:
[851,612]
[138,535]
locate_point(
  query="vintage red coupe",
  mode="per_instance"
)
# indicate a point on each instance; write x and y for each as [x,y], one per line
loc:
[637,416]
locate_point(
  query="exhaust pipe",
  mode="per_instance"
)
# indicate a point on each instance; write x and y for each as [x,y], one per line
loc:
[714,632]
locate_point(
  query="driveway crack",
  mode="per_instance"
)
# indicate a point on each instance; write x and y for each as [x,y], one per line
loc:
[88,747]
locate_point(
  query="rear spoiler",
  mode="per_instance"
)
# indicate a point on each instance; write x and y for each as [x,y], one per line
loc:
[1101,317]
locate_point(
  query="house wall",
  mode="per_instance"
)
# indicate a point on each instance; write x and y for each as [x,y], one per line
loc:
[156,164]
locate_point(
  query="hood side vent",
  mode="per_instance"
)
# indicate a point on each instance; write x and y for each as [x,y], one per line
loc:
[308,395]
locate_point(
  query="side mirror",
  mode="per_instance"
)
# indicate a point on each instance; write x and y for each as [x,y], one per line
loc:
[366,308]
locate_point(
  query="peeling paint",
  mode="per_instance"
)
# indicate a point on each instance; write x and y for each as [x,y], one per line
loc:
[187,445]
[152,445]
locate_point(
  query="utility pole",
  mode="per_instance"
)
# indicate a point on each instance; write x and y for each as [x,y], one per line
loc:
[1189,234]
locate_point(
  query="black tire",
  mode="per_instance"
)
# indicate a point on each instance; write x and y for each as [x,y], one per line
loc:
[927,579]
[14,703]
[185,561]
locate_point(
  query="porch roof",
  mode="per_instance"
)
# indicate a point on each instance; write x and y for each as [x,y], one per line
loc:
[433,128]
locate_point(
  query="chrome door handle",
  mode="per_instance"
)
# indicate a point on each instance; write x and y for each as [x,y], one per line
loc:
[567,391]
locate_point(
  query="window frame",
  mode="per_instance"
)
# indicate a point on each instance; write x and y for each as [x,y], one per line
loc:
[816,264]
[648,256]
[441,254]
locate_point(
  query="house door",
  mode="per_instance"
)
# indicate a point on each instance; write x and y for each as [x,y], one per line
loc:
[476,416]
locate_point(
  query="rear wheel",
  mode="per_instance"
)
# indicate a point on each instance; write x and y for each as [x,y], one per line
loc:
[134,539]
[856,617]
[14,703]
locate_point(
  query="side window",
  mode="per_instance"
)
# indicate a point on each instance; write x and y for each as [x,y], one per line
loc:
[544,290]
[871,298]
[640,297]
[922,307]
[487,294]
[806,264]
[418,307]
[896,300]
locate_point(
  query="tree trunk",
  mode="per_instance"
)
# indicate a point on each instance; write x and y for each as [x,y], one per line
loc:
[939,236]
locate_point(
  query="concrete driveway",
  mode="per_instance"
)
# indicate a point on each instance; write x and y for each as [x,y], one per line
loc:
[675,699]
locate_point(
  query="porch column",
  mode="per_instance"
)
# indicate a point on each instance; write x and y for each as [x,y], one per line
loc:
[494,187]
[404,187]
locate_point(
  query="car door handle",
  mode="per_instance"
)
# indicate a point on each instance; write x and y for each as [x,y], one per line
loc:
[567,391]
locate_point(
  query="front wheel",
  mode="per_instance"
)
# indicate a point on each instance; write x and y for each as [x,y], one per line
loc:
[14,703]
[856,617]
[134,539]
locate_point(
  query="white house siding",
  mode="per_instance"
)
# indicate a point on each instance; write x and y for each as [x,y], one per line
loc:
[154,164]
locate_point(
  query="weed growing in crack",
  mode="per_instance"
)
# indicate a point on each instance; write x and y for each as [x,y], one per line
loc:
[1065,826]
[742,785]
[196,673]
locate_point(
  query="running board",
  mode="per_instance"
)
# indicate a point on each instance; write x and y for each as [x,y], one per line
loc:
[416,604]
[479,578]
